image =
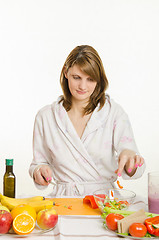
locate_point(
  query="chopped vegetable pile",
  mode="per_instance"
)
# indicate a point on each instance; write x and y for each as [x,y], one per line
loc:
[113,204]
[105,202]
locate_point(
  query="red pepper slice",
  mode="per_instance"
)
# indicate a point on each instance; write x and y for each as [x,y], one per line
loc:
[89,199]
[112,194]
[119,184]
[149,222]
[70,207]
[124,202]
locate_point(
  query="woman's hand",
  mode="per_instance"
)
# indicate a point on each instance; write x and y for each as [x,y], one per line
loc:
[129,161]
[42,175]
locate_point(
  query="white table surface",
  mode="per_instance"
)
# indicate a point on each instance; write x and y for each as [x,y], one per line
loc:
[79,227]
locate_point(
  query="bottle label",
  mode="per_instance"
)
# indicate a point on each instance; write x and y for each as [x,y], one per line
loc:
[9,186]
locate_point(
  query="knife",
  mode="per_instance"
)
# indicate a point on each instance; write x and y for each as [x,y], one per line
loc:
[51,182]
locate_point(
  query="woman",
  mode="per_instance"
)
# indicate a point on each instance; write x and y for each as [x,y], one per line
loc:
[84,140]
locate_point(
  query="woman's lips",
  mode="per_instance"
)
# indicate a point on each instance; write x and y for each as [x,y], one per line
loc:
[80,92]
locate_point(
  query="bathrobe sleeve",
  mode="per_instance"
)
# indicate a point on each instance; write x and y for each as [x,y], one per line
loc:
[41,155]
[124,139]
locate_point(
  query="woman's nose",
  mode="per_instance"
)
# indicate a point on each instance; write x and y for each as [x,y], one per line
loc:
[82,84]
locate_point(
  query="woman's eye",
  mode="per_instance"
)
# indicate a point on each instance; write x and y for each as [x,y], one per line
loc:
[75,77]
[91,79]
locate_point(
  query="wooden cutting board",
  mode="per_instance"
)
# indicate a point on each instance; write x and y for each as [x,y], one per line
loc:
[73,206]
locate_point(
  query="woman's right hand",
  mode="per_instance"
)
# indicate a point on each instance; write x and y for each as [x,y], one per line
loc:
[42,175]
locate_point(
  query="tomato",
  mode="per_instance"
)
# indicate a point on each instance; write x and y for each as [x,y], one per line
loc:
[111,220]
[137,230]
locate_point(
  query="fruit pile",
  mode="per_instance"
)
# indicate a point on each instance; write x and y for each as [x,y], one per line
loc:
[20,215]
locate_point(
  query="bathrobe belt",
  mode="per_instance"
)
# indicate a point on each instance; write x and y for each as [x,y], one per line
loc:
[81,188]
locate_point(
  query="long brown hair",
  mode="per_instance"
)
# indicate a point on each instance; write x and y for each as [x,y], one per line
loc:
[89,61]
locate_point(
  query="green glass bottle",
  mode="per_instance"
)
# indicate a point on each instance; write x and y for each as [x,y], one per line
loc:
[9,180]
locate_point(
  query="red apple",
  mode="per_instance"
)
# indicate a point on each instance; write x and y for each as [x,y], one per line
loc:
[5,221]
[47,218]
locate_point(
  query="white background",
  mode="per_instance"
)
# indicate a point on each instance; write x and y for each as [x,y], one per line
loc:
[35,38]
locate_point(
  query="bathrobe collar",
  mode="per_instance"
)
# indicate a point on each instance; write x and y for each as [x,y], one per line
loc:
[97,119]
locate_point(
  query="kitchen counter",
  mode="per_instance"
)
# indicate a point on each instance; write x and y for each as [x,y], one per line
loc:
[78,227]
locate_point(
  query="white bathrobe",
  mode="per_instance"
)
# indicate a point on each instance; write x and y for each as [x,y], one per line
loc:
[81,166]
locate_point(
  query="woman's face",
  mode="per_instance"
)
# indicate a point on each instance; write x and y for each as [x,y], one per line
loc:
[80,84]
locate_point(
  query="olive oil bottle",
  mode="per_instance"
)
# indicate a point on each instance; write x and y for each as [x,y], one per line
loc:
[9,180]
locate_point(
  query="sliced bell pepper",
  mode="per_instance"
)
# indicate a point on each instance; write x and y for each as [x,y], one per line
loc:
[152,225]
[89,199]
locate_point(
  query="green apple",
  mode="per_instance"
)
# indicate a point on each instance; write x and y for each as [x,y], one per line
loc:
[4,208]
[47,218]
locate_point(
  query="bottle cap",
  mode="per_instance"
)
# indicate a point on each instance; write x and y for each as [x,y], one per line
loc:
[9,162]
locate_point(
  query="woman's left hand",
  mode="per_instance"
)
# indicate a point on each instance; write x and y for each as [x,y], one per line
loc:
[129,161]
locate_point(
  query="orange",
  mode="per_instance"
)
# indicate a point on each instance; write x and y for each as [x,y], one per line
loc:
[23,224]
[23,208]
